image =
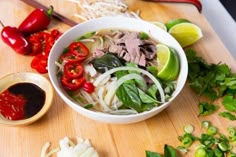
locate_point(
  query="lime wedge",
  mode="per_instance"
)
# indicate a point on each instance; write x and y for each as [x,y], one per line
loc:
[186,33]
[168,63]
[171,23]
[159,24]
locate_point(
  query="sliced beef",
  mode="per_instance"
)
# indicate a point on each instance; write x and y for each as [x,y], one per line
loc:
[130,47]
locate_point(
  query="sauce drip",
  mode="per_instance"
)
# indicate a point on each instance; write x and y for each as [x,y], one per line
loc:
[21,100]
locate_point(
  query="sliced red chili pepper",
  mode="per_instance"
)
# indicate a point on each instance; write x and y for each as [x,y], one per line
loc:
[79,48]
[39,63]
[73,70]
[55,33]
[72,57]
[88,87]
[72,84]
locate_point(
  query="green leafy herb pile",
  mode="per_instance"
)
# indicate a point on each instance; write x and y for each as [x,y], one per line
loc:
[169,151]
[212,81]
[212,143]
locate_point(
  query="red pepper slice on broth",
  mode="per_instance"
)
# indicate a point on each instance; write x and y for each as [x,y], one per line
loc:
[72,84]
[79,48]
[73,70]
[72,57]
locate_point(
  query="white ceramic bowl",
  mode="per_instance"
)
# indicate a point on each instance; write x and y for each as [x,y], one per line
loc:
[114,23]
[27,77]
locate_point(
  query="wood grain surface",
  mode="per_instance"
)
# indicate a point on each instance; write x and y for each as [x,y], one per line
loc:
[110,140]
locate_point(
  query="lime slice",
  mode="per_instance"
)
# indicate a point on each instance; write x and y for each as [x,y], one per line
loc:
[168,63]
[186,33]
[159,24]
[175,22]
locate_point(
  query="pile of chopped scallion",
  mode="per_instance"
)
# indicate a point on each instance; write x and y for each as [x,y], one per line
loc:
[212,143]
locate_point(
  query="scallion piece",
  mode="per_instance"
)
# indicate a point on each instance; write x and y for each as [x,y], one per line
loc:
[211,130]
[188,128]
[205,124]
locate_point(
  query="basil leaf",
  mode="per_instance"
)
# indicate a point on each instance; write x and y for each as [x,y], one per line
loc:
[146,98]
[169,151]
[152,91]
[128,94]
[152,154]
[106,62]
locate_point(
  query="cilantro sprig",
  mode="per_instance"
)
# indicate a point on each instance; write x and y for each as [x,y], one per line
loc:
[212,81]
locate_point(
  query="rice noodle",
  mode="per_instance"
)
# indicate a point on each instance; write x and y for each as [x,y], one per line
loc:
[91,9]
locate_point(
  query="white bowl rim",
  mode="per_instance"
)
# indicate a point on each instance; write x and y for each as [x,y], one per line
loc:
[85,112]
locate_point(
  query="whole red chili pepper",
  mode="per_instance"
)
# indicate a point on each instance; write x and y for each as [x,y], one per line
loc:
[15,39]
[36,21]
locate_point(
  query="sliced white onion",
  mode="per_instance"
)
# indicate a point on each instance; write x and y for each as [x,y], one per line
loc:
[109,72]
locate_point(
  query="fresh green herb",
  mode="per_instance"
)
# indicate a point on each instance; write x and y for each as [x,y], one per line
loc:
[143,36]
[152,91]
[106,62]
[227,115]
[169,151]
[128,94]
[152,154]
[88,106]
[229,103]
[146,98]
[86,35]
[213,81]
[210,80]
[206,108]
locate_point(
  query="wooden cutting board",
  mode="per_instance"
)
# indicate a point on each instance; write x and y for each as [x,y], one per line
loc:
[110,140]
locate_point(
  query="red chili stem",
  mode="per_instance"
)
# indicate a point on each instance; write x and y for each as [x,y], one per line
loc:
[196,3]
[56,15]
[50,11]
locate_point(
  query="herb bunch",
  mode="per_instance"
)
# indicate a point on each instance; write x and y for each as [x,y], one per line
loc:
[212,81]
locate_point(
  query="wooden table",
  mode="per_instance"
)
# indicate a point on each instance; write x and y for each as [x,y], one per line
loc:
[110,140]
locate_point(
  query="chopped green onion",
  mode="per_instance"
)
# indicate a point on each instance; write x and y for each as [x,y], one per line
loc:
[187,141]
[205,124]
[200,152]
[182,149]
[188,128]
[211,130]
[232,133]
[224,146]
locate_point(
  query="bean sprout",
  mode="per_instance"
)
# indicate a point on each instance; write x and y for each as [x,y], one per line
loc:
[91,9]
